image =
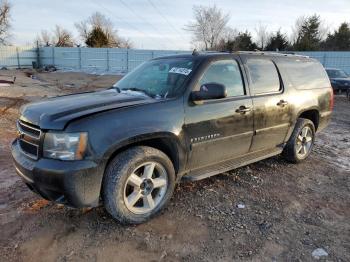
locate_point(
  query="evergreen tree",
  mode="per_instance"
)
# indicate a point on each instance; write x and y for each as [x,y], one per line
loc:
[97,38]
[243,41]
[97,28]
[339,40]
[309,35]
[277,42]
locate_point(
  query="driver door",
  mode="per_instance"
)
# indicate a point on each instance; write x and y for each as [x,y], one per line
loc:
[220,129]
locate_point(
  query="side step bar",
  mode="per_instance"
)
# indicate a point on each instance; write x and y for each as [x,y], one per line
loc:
[208,171]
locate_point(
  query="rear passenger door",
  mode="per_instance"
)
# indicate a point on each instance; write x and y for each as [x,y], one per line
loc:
[272,116]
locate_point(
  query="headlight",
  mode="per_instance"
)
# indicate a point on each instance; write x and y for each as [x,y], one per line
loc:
[65,146]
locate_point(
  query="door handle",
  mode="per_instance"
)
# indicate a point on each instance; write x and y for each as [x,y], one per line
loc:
[243,109]
[282,103]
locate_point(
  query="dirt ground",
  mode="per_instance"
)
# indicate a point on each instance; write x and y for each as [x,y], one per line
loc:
[289,210]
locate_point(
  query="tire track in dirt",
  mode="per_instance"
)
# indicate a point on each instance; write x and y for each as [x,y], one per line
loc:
[10,102]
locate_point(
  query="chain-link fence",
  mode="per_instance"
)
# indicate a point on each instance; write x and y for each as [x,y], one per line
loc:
[17,56]
[98,59]
[340,60]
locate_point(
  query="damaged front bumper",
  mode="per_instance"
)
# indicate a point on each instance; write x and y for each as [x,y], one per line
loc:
[74,183]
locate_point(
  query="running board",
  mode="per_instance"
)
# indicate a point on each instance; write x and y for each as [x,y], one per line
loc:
[212,170]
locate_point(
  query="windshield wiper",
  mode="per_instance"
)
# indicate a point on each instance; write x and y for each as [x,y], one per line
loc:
[138,90]
[116,88]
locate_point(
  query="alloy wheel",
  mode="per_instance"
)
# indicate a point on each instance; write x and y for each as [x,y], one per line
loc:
[145,188]
[304,142]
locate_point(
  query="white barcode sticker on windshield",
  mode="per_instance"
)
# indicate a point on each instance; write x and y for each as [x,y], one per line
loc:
[180,70]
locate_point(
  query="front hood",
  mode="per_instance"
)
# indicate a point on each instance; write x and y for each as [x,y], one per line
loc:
[55,113]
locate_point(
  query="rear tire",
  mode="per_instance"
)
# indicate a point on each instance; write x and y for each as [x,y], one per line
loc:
[137,184]
[301,142]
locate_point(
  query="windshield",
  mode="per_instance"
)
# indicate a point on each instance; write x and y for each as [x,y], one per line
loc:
[162,78]
[336,74]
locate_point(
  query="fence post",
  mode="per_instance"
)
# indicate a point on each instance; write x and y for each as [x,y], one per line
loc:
[18,62]
[152,54]
[38,55]
[79,51]
[324,59]
[107,59]
[127,60]
[53,56]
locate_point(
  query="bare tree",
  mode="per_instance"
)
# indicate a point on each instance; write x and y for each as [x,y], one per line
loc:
[262,35]
[62,37]
[301,20]
[44,39]
[125,43]
[209,26]
[83,29]
[324,29]
[5,24]
[98,21]
[228,35]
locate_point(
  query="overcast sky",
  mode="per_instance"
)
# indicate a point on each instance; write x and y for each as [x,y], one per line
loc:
[147,28]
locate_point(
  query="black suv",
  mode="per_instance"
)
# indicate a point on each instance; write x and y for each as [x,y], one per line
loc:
[340,80]
[172,118]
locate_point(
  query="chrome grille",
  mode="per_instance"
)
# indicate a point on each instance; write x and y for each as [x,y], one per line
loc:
[29,139]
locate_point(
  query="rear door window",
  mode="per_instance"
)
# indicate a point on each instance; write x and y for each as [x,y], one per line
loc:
[263,75]
[226,72]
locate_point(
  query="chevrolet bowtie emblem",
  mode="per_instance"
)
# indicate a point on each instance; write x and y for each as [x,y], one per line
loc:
[20,135]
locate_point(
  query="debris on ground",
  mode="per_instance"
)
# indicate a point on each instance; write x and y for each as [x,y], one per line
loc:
[319,252]
[241,206]
[50,68]
[6,82]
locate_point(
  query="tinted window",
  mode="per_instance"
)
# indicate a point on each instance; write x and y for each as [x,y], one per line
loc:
[334,73]
[225,72]
[304,74]
[263,75]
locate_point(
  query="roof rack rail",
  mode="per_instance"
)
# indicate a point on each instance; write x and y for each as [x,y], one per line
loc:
[255,52]
[281,53]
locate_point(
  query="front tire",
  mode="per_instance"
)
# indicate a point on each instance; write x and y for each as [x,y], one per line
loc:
[137,184]
[301,142]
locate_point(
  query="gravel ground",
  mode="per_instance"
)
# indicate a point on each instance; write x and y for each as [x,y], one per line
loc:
[267,211]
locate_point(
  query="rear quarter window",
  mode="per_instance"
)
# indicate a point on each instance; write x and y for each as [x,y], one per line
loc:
[304,74]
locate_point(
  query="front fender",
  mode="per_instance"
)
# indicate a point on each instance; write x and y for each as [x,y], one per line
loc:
[113,130]
[175,141]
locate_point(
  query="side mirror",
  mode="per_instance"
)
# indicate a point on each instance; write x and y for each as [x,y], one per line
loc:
[209,91]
